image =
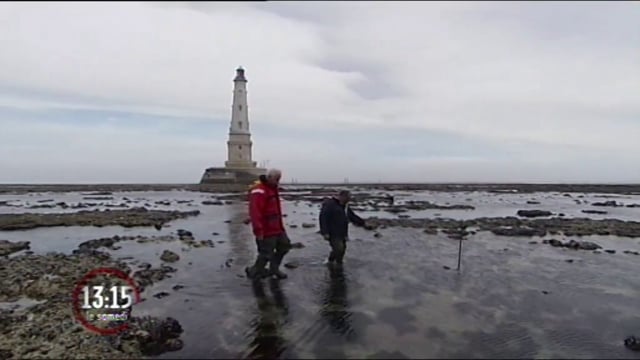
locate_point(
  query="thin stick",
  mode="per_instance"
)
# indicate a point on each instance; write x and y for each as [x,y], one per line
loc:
[459,254]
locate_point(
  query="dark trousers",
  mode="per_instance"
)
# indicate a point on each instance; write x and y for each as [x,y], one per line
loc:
[338,248]
[271,250]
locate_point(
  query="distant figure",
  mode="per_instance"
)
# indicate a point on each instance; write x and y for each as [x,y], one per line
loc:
[266,219]
[335,216]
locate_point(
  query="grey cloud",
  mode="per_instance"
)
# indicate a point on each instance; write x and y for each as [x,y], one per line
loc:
[373,86]
[555,81]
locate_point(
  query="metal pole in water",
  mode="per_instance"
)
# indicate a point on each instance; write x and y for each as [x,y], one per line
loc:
[459,253]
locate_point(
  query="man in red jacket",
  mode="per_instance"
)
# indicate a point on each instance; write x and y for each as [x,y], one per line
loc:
[266,219]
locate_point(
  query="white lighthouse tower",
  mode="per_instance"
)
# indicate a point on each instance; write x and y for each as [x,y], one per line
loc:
[239,144]
[239,167]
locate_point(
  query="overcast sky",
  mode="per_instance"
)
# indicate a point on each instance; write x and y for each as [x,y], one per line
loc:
[380,91]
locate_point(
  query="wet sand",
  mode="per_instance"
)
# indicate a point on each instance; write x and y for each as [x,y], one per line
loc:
[398,295]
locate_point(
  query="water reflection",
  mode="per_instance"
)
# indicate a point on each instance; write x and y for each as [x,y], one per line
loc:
[335,304]
[241,242]
[268,342]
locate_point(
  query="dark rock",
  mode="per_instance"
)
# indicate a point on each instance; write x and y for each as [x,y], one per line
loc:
[215,234]
[610,251]
[572,244]
[545,292]
[631,252]
[308,225]
[569,260]
[533,242]
[158,226]
[585,245]
[518,231]
[292,265]
[156,337]
[610,203]
[178,287]
[297,245]
[633,205]
[161,295]
[531,202]
[184,233]
[534,213]
[97,198]
[431,231]
[99,193]
[632,343]
[7,247]
[146,277]
[599,212]
[555,243]
[378,235]
[208,243]
[228,262]
[446,267]
[212,202]
[293,226]
[169,256]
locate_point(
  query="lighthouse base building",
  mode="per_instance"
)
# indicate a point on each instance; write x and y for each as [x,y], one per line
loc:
[239,168]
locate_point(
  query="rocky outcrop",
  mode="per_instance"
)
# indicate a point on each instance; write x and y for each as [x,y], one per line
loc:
[169,256]
[534,213]
[50,331]
[632,343]
[573,244]
[515,226]
[126,218]
[7,247]
[89,246]
[610,203]
[598,212]
[154,336]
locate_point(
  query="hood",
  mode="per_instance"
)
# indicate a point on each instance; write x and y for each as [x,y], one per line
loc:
[262,179]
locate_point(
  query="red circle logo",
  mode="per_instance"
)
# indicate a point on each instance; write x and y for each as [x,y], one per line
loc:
[110,303]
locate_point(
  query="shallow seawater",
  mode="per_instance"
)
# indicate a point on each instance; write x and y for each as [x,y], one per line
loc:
[394,298]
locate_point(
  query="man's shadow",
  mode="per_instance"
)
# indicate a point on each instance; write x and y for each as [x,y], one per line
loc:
[335,303]
[268,342]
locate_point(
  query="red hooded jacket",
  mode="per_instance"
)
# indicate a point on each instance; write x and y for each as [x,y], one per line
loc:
[265,210]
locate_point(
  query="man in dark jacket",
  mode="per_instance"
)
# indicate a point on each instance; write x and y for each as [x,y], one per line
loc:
[335,216]
[266,220]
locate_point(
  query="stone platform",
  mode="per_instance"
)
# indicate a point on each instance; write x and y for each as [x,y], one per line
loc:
[227,176]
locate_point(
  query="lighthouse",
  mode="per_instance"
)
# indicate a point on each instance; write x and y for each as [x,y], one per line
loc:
[239,167]
[239,143]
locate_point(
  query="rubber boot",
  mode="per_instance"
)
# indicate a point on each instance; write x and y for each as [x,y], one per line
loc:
[274,269]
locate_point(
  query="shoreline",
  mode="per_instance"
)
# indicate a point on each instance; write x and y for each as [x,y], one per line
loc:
[437,187]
